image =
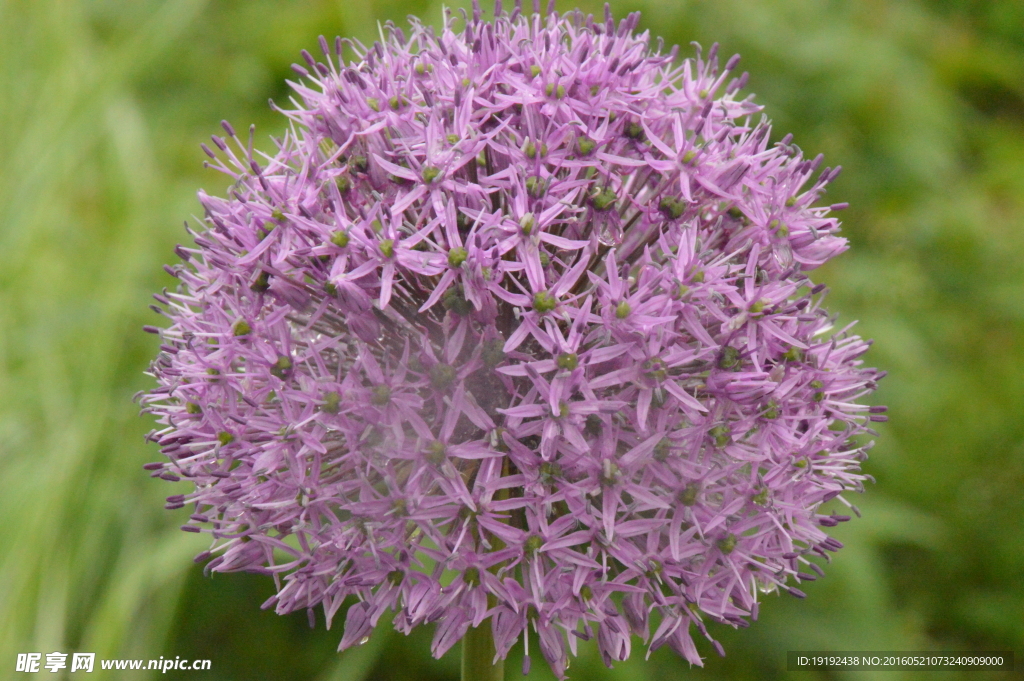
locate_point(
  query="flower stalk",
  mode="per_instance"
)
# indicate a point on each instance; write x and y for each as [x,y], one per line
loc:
[478,655]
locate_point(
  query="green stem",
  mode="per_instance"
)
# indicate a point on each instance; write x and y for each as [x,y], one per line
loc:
[477,654]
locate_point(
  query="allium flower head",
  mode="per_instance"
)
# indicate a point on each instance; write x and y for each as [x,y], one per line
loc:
[515,325]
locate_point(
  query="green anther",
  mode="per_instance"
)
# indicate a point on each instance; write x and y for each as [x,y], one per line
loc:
[662,449]
[560,92]
[430,174]
[331,290]
[465,82]
[816,384]
[728,544]
[332,401]
[420,68]
[586,593]
[682,290]
[585,145]
[545,259]
[526,223]
[761,498]
[533,544]
[772,410]
[241,328]
[373,103]
[759,305]
[400,507]
[783,230]
[457,256]
[442,376]
[549,89]
[343,182]
[730,358]
[454,300]
[567,360]
[452,138]
[377,226]
[281,367]
[688,495]
[722,435]
[612,117]
[819,396]
[481,159]
[277,214]
[436,453]
[689,156]
[536,186]
[672,207]
[655,368]
[359,163]
[790,202]
[493,353]
[698,277]
[339,239]
[610,473]
[604,199]
[262,283]
[544,302]
[499,436]
[471,576]
[702,94]
[735,213]
[549,471]
[563,409]
[793,354]
[193,408]
[380,395]
[225,438]
[634,131]
[622,310]
[800,463]
[387,247]
[534,70]
[395,103]
[530,149]
[213,372]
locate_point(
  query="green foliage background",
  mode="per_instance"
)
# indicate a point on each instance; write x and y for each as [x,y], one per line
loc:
[104,104]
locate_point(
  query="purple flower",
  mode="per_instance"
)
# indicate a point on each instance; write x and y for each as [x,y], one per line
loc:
[515,325]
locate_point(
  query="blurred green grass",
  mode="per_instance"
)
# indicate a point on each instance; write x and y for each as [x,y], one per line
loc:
[105,103]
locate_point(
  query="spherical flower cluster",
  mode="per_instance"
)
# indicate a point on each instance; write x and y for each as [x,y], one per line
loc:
[514,330]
